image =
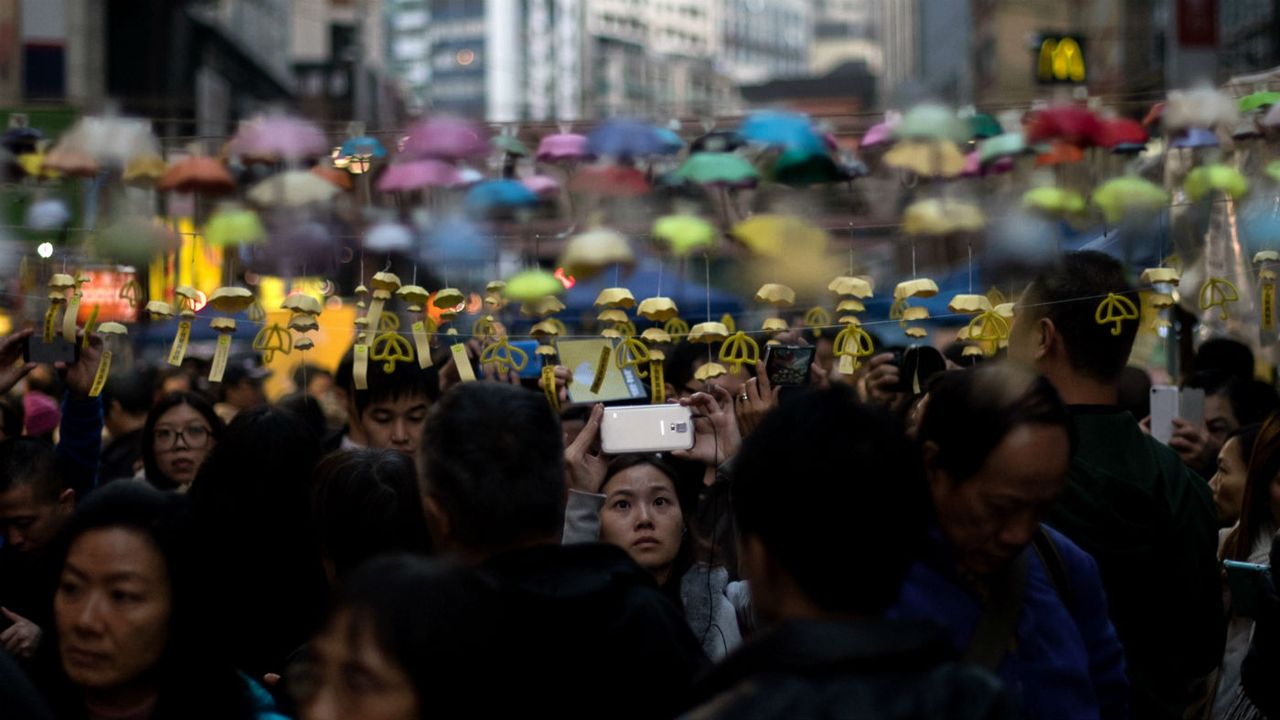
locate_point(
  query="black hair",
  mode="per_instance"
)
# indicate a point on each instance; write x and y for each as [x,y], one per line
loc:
[970,412]
[433,619]
[575,413]
[131,389]
[1069,294]
[686,497]
[29,462]
[252,493]
[873,508]
[493,458]
[305,372]
[366,503]
[1230,357]
[307,409]
[1246,436]
[1134,391]
[679,367]
[12,417]
[406,380]
[1252,401]
[148,445]
[195,675]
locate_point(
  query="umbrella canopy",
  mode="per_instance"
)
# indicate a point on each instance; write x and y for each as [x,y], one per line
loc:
[935,158]
[1054,200]
[388,237]
[340,179]
[563,148]
[776,235]
[278,137]
[717,141]
[509,144]
[542,185]
[363,146]
[1202,180]
[672,143]
[789,131]
[1121,196]
[589,253]
[801,169]
[418,174]
[719,169]
[941,217]
[111,141]
[684,233]
[530,285]
[197,173]
[622,138]
[1071,124]
[455,241]
[21,140]
[610,181]
[1002,146]
[1122,131]
[932,122]
[498,196]
[142,171]
[1257,100]
[982,126]
[231,225]
[134,240]
[293,188]
[1060,153]
[1194,138]
[880,133]
[446,138]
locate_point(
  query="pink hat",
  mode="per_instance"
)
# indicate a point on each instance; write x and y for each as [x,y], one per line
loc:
[40,412]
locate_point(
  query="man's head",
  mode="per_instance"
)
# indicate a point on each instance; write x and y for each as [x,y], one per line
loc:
[825,482]
[493,470]
[391,412]
[1056,327]
[1231,402]
[33,504]
[241,387]
[126,400]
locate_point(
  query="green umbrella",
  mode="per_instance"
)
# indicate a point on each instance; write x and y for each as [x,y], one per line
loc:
[1119,196]
[1215,177]
[931,122]
[528,285]
[685,233]
[509,144]
[1003,145]
[718,169]
[1054,200]
[1258,99]
[983,126]
[798,168]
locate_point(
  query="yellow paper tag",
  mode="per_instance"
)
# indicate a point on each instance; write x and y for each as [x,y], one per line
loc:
[180,340]
[460,358]
[100,376]
[1269,306]
[360,368]
[49,316]
[69,319]
[91,323]
[549,386]
[601,367]
[374,316]
[847,365]
[422,344]
[657,382]
[219,364]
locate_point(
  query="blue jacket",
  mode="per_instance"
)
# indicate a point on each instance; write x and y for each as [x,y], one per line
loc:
[1065,663]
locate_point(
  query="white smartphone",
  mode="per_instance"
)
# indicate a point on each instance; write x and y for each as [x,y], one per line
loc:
[646,429]
[1168,402]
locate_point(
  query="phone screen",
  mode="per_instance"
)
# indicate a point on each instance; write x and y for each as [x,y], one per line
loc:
[1249,585]
[533,368]
[788,364]
[582,357]
[47,353]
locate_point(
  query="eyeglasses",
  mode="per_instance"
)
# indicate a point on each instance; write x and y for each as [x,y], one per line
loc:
[194,437]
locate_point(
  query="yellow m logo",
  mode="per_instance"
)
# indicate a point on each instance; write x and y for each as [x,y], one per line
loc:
[1061,60]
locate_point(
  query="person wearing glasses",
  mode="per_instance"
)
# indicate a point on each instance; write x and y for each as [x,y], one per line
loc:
[180,432]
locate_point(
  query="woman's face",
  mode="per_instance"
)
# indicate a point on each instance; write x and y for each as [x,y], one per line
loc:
[991,517]
[642,516]
[112,608]
[350,677]
[183,440]
[1228,482]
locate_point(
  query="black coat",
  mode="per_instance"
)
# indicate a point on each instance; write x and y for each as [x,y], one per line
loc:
[892,669]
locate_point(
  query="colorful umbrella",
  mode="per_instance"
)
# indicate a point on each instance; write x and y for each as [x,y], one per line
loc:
[1195,137]
[563,148]
[931,122]
[293,188]
[364,146]
[142,171]
[278,137]
[778,235]
[1120,132]
[786,130]
[1054,200]
[672,143]
[339,178]
[416,175]
[498,196]
[797,168]
[588,254]
[134,240]
[1121,196]
[234,225]
[542,185]
[1072,124]
[388,237]
[941,217]
[1002,146]
[621,138]
[111,141]
[1060,153]
[197,173]
[982,126]
[933,158]
[684,233]
[718,169]
[1204,179]
[509,144]
[619,181]
[881,132]
[717,141]
[1200,108]
[530,285]
[1258,100]
[446,138]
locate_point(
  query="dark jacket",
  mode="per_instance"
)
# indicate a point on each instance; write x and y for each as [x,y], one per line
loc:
[587,633]
[121,457]
[1150,524]
[870,670]
[1261,667]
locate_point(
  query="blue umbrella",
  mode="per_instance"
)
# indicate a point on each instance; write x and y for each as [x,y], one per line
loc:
[364,145]
[626,138]
[1194,138]
[790,131]
[671,142]
[457,241]
[498,196]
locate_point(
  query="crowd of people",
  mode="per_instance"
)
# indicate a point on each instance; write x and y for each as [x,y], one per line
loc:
[1001,539]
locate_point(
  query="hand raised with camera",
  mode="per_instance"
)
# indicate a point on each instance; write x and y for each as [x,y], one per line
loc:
[11,371]
[584,464]
[716,437]
[757,399]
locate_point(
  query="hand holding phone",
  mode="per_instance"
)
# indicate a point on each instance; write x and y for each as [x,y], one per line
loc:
[12,349]
[1169,402]
[646,429]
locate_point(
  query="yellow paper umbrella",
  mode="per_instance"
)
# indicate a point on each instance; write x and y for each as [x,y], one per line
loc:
[967,303]
[448,299]
[776,294]
[655,336]
[774,325]
[546,329]
[1161,275]
[850,305]
[658,309]
[616,297]
[542,307]
[231,299]
[612,315]
[676,326]
[588,254]
[847,285]
[941,217]
[915,331]
[709,371]
[414,296]
[920,287]
[913,314]
[708,332]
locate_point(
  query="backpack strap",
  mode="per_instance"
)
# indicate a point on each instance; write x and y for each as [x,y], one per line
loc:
[998,625]
[1051,558]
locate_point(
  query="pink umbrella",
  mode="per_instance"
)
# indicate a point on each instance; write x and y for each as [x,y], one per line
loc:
[278,137]
[973,166]
[541,185]
[1272,118]
[564,147]
[418,174]
[446,138]
[879,134]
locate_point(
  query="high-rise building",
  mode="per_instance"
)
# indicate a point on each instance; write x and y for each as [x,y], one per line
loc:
[897,30]
[765,39]
[339,53]
[408,59]
[844,31]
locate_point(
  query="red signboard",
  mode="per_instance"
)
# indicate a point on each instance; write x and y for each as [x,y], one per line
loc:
[1198,23]
[103,290]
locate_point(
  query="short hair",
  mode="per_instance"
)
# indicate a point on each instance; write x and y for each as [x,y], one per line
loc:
[366,503]
[1224,355]
[307,409]
[131,389]
[148,446]
[1069,294]
[30,462]
[12,417]
[1252,401]
[678,369]
[1134,391]
[305,372]
[873,508]
[406,380]
[971,411]
[493,458]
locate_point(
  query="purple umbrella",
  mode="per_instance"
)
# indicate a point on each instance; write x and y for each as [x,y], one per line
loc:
[541,185]
[278,137]
[418,174]
[625,139]
[1195,137]
[564,147]
[446,138]
[879,134]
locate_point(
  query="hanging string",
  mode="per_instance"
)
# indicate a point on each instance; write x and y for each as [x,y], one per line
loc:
[660,263]
[913,259]
[971,267]
[707,258]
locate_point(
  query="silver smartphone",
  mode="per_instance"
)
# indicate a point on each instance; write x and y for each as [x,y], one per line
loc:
[646,429]
[1168,402]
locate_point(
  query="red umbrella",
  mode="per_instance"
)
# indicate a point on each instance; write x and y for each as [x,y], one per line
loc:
[1060,153]
[610,181]
[1069,123]
[1154,115]
[197,174]
[1122,131]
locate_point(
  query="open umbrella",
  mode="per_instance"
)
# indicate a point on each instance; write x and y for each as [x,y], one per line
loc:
[621,138]
[542,185]
[48,214]
[416,175]
[797,168]
[509,144]
[134,240]
[197,173]
[1195,137]
[786,130]
[1202,180]
[1121,196]
[234,225]
[112,141]
[1054,200]
[929,121]
[498,197]
[270,138]
[293,188]
[589,253]
[672,143]
[941,217]
[1257,100]
[457,242]
[982,126]
[684,233]
[935,158]
[446,138]
[530,285]
[1005,145]
[619,181]
[363,146]
[880,133]
[339,178]
[717,141]
[1119,133]
[142,171]
[1073,124]
[563,148]
[718,169]
[777,235]
[388,237]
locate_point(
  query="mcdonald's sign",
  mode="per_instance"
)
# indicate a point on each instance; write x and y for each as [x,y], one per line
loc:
[1060,60]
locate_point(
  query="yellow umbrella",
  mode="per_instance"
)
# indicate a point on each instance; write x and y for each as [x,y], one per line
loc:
[779,235]
[294,188]
[939,158]
[941,217]
[684,233]
[589,253]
